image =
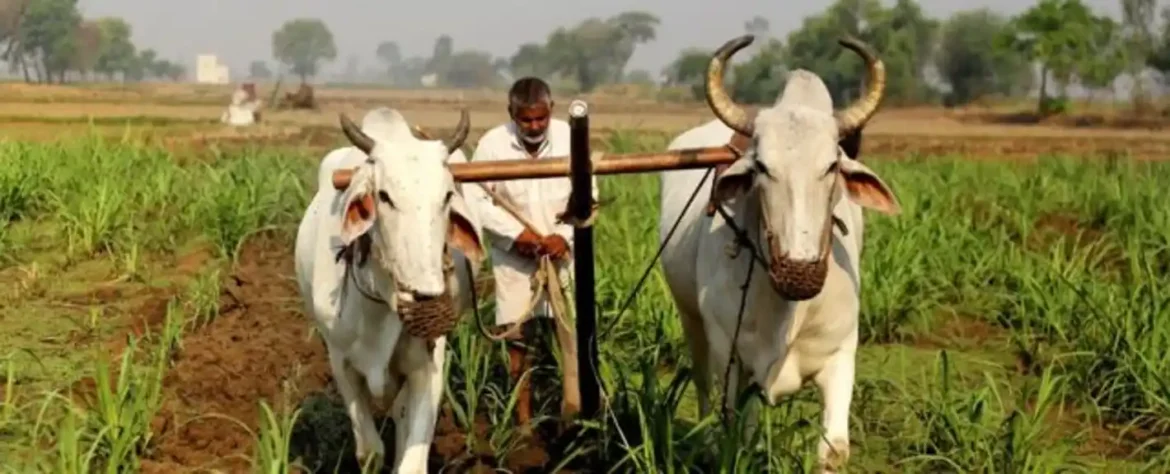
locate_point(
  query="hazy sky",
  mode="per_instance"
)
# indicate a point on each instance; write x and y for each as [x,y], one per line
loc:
[239,31]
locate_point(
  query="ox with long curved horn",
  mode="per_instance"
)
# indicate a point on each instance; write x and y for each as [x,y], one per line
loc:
[794,196]
[737,118]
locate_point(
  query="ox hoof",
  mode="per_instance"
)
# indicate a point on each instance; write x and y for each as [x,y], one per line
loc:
[834,456]
[371,458]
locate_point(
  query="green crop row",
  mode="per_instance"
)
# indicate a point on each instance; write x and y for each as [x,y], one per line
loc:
[1013,319]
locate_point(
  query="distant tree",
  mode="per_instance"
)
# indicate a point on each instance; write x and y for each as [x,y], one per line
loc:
[143,65]
[902,35]
[1109,58]
[170,70]
[968,61]
[630,29]
[390,55]
[760,79]
[1138,35]
[596,51]
[1159,55]
[258,69]
[689,69]
[530,60]
[118,53]
[468,69]
[639,76]
[1058,34]
[441,55]
[89,45]
[444,48]
[47,31]
[11,12]
[162,68]
[302,44]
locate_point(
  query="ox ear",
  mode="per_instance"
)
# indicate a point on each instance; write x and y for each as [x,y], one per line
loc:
[360,207]
[735,180]
[867,189]
[463,230]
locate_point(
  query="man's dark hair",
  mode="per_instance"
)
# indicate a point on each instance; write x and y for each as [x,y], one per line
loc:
[528,91]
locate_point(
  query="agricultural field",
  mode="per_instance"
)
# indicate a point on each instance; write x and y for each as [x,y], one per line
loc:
[1014,316]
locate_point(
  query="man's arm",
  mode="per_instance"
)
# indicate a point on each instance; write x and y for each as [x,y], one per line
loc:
[503,228]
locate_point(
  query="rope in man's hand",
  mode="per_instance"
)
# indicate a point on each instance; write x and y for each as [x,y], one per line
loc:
[545,281]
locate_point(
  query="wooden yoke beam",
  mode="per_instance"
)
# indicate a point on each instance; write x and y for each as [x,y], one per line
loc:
[504,170]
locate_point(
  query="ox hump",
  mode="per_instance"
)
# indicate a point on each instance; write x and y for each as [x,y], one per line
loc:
[805,89]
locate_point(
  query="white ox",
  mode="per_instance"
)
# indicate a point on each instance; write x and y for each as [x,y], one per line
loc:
[801,314]
[403,201]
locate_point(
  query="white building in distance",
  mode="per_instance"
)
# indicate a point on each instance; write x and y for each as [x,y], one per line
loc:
[208,70]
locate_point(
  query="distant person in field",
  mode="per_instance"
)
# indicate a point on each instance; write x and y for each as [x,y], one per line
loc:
[244,108]
[531,134]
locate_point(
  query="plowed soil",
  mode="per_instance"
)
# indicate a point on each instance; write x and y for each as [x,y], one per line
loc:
[260,348]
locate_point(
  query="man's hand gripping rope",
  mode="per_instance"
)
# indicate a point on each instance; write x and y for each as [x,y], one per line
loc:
[545,281]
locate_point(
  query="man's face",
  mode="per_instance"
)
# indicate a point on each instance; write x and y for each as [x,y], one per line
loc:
[532,121]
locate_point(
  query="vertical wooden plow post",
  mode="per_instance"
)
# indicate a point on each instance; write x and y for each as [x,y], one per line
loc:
[581,202]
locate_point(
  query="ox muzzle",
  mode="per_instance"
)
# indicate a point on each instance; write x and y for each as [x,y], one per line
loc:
[799,280]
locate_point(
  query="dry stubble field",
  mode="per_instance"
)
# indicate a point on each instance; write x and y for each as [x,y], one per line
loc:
[1013,315]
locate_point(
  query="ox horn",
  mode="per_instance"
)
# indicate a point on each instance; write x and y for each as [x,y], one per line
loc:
[355,135]
[461,130]
[718,99]
[859,113]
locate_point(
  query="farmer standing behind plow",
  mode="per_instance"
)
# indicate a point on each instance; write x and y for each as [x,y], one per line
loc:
[529,242]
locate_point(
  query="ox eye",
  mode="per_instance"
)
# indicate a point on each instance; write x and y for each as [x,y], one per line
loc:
[382,196]
[447,198]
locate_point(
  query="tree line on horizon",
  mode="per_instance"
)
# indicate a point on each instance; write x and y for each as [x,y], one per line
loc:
[971,56]
[48,41]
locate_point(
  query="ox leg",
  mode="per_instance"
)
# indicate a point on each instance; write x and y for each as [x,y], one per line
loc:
[750,414]
[835,382]
[367,440]
[417,405]
[700,360]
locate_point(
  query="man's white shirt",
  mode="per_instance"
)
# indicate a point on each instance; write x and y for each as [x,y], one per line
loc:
[540,200]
